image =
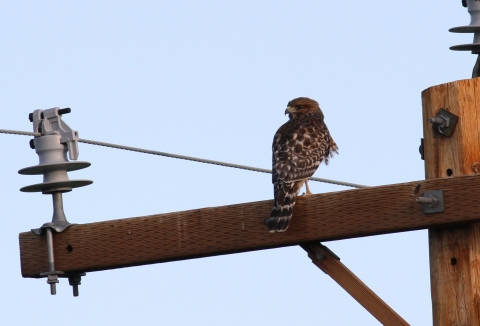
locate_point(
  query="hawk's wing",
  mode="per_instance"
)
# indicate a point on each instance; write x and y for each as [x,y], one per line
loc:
[299,146]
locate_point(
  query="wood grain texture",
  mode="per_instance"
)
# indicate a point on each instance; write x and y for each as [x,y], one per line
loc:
[454,251]
[239,228]
[354,286]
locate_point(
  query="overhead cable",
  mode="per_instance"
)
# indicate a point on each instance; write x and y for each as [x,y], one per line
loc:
[182,157]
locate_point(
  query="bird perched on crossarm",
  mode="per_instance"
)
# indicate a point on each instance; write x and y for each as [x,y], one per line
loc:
[299,146]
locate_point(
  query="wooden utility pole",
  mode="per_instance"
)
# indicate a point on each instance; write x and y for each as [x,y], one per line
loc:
[454,251]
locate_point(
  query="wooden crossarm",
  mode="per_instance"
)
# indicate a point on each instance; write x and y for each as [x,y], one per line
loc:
[239,228]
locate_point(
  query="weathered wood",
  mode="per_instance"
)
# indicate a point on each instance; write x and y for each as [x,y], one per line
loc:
[454,252]
[353,285]
[240,228]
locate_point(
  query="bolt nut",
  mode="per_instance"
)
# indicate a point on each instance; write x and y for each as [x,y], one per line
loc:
[52,279]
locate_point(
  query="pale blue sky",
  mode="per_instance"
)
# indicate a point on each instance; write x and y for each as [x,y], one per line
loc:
[211,79]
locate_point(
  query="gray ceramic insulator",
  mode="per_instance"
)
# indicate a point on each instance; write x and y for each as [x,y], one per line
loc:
[52,146]
[51,151]
[474,27]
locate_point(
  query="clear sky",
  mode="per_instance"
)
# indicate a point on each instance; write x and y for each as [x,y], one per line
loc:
[212,79]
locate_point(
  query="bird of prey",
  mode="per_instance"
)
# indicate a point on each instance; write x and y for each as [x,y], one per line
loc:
[299,146]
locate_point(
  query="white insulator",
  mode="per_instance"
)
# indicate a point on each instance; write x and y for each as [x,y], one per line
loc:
[474,27]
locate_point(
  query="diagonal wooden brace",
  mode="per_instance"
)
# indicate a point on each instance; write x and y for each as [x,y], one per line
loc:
[324,259]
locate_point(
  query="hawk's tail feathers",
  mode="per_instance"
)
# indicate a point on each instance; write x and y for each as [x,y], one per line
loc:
[285,198]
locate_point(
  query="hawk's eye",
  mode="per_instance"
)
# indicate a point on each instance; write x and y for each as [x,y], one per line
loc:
[300,107]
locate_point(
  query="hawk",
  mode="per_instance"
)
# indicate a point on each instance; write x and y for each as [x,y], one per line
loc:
[299,146]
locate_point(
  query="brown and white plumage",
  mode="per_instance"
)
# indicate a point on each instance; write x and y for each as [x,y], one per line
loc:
[299,146]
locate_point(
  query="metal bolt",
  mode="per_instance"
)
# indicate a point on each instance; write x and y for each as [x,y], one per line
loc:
[32,144]
[75,281]
[428,200]
[439,121]
[52,280]
[319,256]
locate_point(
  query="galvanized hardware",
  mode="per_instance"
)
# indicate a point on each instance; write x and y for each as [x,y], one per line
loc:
[52,274]
[444,123]
[421,149]
[56,139]
[474,27]
[432,201]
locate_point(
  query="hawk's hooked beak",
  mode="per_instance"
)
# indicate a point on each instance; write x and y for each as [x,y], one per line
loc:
[289,110]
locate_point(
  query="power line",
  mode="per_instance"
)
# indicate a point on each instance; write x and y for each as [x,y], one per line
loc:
[182,157]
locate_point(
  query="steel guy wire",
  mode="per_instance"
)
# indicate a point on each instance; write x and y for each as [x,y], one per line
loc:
[182,157]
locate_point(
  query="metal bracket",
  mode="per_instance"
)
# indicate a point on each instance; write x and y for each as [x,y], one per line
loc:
[444,123]
[432,201]
[74,279]
[321,256]
[59,221]
[421,149]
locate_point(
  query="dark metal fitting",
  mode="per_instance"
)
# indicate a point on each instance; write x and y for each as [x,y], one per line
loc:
[330,252]
[319,256]
[30,116]
[32,144]
[75,281]
[421,149]
[64,111]
[444,123]
[432,201]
